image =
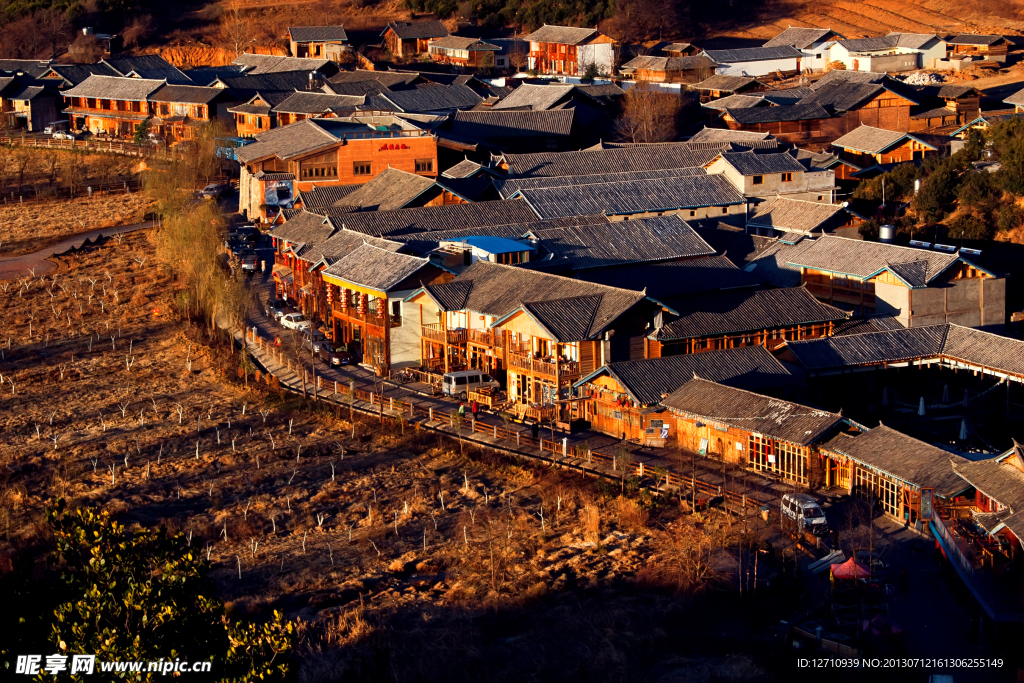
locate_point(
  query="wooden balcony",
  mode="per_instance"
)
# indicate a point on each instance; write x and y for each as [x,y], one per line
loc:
[369,317]
[544,367]
[436,333]
[484,337]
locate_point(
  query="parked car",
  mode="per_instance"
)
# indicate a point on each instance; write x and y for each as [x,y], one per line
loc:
[334,356]
[277,308]
[55,126]
[805,512]
[215,191]
[314,337]
[250,264]
[295,321]
[460,383]
[64,135]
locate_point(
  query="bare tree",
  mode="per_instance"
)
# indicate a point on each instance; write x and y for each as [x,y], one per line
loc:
[648,114]
[238,29]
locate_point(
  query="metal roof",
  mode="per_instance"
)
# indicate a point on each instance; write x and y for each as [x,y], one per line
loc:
[750,412]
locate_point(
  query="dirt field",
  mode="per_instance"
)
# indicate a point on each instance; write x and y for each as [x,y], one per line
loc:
[30,226]
[877,17]
[361,531]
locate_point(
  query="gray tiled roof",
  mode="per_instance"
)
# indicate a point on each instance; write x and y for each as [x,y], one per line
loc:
[76,73]
[1016,98]
[793,215]
[607,244]
[735,102]
[862,259]
[446,217]
[563,35]
[647,381]
[742,311]
[769,262]
[905,457]
[461,43]
[318,103]
[842,97]
[974,39]
[247,85]
[634,196]
[786,95]
[675,47]
[618,160]
[390,189]
[742,137]
[424,242]
[287,141]
[463,169]
[753,54]
[668,281]
[793,112]
[846,76]
[115,88]
[185,93]
[999,481]
[536,97]
[417,29]
[481,125]
[388,79]
[327,195]
[206,75]
[507,188]
[268,64]
[753,163]
[948,341]
[311,34]
[669,64]
[33,67]
[751,412]
[497,290]
[375,268]
[869,139]
[152,67]
[913,41]
[344,242]
[304,228]
[875,323]
[725,83]
[435,98]
[799,37]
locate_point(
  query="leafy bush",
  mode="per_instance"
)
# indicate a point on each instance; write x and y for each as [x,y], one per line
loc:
[1010,217]
[970,227]
[938,190]
[899,185]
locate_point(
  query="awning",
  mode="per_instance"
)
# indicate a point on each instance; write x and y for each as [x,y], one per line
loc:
[850,570]
[282,274]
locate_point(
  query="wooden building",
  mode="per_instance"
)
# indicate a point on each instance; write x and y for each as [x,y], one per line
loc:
[917,286]
[889,469]
[537,332]
[867,146]
[796,123]
[654,69]
[314,105]
[471,53]
[717,86]
[729,320]
[27,103]
[1017,100]
[756,431]
[884,104]
[328,42]
[569,51]
[944,105]
[335,151]
[813,44]
[110,105]
[623,399]
[987,47]
[178,110]
[409,39]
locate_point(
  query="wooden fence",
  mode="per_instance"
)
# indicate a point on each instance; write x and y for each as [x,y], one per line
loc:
[587,459]
[92,145]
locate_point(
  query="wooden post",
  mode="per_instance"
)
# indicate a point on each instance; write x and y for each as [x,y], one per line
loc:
[517,436]
[430,414]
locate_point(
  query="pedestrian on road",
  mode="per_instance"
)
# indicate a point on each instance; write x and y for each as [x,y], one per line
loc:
[474,408]
[462,410]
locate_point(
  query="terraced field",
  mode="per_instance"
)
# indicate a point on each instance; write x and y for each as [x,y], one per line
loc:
[854,18]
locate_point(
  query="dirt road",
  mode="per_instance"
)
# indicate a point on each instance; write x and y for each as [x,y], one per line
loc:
[37,263]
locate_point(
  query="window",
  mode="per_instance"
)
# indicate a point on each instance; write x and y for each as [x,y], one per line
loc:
[692,214]
[787,177]
[424,165]
[361,168]
[820,197]
[758,179]
[725,209]
[259,122]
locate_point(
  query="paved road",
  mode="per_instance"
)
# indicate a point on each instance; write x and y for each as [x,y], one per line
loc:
[38,263]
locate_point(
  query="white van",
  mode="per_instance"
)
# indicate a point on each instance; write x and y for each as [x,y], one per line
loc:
[55,126]
[805,512]
[459,384]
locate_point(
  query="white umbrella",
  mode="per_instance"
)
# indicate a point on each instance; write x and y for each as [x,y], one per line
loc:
[920,407]
[963,429]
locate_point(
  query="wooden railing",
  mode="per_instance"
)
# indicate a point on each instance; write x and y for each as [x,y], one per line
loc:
[433,332]
[546,367]
[339,392]
[484,337]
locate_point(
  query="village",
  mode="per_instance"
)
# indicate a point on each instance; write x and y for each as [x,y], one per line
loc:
[739,328]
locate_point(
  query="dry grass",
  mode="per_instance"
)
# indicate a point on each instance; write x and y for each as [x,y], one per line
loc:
[29,226]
